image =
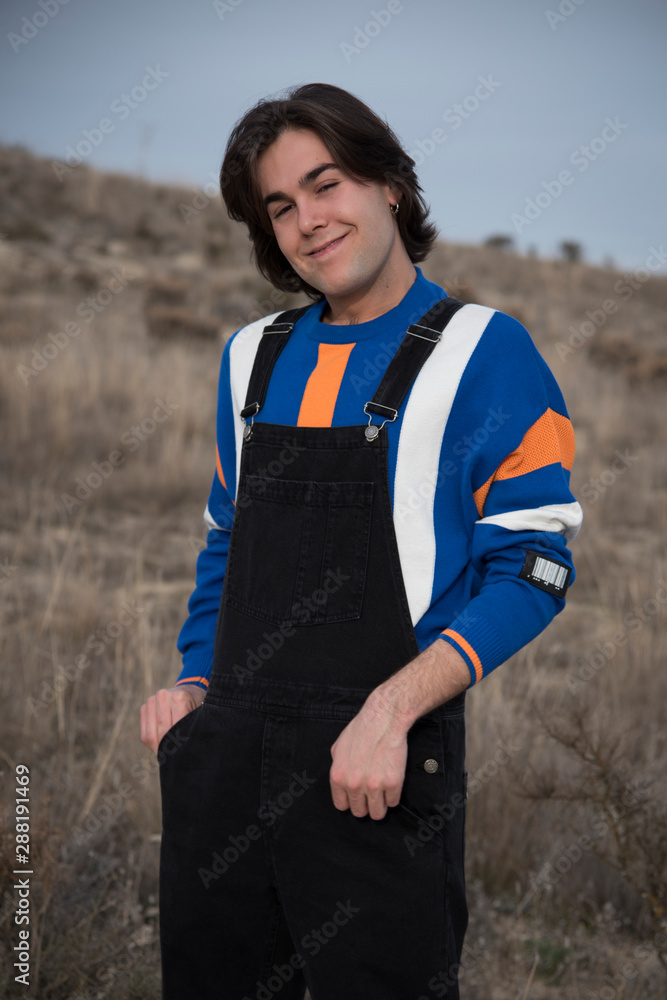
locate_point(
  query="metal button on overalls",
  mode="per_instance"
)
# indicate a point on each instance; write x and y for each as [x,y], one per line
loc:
[264,885]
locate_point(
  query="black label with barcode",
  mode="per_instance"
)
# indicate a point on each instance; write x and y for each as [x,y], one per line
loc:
[547,574]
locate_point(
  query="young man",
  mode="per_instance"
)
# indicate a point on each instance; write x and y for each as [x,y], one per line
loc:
[389,522]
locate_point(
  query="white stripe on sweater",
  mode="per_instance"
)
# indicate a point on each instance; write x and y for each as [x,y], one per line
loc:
[417,465]
[561,518]
[242,353]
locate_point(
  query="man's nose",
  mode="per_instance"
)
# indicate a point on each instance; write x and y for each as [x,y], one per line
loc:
[311,217]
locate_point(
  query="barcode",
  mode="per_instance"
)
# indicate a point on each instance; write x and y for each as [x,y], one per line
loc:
[549,572]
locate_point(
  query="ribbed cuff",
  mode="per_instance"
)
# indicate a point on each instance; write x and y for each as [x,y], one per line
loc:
[197,669]
[479,644]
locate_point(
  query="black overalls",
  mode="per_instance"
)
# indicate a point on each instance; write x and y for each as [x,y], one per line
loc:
[266,887]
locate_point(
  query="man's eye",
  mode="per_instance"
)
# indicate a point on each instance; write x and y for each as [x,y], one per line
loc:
[327,186]
[281,211]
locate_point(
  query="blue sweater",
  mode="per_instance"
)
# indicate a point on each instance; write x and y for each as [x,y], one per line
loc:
[479,468]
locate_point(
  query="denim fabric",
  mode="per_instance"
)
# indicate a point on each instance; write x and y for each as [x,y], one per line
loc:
[266,887]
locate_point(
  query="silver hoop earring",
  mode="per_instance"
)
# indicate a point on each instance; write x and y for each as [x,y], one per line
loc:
[394,209]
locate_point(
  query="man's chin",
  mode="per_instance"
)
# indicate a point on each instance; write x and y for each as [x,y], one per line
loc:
[330,282]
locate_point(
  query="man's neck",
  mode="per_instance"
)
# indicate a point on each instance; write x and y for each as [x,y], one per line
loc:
[366,306]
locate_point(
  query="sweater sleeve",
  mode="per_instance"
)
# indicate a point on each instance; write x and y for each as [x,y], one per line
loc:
[196,638]
[520,508]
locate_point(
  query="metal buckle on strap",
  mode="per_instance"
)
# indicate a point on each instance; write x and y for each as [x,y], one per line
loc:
[278,328]
[373,430]
[416,326]
[249,411]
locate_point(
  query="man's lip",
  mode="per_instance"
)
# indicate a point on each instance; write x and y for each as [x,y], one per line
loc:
[325,245]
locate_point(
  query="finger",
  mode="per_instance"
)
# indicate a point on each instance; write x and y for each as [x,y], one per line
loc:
[377,804]
[392,796]
[339,796]
[338,792]
[358,802]
[149,723]
[164,713]
[154,724]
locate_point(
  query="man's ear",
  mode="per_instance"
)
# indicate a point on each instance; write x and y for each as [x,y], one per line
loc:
[393,192]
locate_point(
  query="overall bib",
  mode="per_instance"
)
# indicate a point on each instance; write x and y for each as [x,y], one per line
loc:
[266,887]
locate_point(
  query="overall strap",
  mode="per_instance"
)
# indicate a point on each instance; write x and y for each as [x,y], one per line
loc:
[274,338]
[417,345]
[404,367]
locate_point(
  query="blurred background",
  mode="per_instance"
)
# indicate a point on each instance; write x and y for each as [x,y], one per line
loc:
[517,90]
[539,136]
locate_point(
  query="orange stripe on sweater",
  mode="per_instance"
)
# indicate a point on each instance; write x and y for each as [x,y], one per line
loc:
[321,392]
[465,645]
[549,440]
[191,680]
[218,463]
[221,475]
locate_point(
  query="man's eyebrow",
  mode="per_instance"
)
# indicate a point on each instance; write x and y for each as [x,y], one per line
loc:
[304,181]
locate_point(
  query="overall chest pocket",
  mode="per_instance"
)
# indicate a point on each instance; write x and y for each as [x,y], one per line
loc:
[299,550]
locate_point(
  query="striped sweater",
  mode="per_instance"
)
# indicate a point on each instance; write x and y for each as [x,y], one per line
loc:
[479,468]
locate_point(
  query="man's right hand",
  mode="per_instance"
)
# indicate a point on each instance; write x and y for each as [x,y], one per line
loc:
[163,709]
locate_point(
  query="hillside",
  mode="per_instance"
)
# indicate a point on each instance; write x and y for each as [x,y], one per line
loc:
[116,297]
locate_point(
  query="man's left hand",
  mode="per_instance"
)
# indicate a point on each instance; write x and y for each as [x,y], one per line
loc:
[370,755]
[369,759]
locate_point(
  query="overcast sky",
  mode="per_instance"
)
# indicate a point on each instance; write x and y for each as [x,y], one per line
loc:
[495,99]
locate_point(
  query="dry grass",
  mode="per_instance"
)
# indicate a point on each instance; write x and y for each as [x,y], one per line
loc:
[115,561]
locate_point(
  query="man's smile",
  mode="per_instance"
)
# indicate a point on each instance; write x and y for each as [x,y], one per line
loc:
[326,248]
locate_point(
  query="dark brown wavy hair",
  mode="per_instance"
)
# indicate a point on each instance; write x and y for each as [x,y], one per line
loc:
[360,143]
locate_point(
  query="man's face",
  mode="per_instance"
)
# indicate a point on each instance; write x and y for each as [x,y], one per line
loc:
[337,233]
